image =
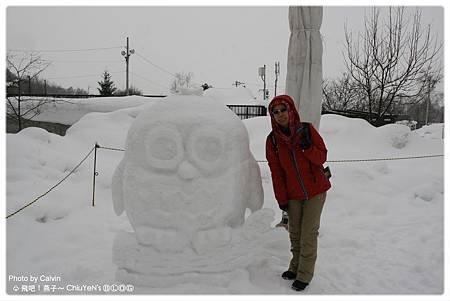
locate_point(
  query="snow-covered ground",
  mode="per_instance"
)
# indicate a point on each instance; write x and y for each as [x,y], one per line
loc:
[382,228]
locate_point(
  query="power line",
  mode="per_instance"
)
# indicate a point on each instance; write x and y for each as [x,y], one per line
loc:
[81,76]
[160,68]
[148,80]
[64,50]
[81,61]
[153,64]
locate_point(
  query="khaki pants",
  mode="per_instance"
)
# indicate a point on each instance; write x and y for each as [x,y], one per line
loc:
[304,223]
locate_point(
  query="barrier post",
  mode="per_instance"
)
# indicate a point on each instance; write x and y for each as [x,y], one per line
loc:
[95,174]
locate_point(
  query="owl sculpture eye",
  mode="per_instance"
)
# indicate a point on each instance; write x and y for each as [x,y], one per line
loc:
[207,149]
[164,147]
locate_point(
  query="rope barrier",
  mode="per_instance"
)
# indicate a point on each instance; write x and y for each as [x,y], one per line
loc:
[110,148]
[333,161]
[384,159]
[71,172]
[373,160]
[260,161]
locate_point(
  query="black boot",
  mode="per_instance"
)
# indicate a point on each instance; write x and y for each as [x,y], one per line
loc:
[299,285]
[288,275]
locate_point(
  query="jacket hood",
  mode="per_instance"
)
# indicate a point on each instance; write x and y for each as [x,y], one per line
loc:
[294,117]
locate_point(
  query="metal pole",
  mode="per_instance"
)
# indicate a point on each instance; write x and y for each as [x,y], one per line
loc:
[264,97]
[95,174]
[126,58]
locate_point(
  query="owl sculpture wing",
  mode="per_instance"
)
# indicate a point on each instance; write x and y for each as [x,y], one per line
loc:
[256,196]
[117,189]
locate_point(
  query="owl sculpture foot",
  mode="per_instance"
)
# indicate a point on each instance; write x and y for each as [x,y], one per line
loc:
[162,240]
[208,240]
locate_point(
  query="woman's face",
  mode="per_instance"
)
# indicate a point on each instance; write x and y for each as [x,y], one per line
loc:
[281,115]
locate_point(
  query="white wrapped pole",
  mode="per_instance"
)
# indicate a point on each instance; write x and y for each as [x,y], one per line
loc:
[304,65]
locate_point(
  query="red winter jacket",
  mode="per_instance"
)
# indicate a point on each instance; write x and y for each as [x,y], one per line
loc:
[296,174]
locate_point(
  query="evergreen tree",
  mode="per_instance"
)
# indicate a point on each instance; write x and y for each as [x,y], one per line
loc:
[107,85]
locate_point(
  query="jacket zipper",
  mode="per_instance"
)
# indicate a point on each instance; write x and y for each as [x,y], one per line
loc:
[299,178]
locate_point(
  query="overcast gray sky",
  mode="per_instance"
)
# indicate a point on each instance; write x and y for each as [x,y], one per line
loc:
[218,44]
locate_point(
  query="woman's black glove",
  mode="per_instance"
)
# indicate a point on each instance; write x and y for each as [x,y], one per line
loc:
[305,136]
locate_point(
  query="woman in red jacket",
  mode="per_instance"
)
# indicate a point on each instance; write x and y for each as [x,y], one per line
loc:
[295,152]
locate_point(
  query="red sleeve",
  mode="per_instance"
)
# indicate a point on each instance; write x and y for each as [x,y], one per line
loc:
[278,175]
[317,153]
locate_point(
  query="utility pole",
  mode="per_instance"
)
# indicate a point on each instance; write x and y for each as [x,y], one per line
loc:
[262,74]
[45,87]
[127,60]
[277,72]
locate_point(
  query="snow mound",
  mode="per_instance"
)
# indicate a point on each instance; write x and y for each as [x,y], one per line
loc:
[37,134]
[432,131]
[191,91]
[397,135]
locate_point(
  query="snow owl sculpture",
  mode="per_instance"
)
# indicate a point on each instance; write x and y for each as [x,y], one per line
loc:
[187,175]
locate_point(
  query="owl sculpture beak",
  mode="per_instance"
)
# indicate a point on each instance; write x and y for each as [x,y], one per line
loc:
[187,171]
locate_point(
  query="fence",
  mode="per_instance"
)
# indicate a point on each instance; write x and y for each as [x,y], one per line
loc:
[245,111]
[72,95]
[12,126]
[371,118]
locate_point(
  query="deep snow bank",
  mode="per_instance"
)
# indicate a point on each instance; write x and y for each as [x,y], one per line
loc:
[381,232]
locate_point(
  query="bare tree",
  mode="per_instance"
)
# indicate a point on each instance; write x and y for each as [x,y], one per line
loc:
[341,94]
[182,80]
[27,67]
[391,58]
[131,91]
[425,103]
